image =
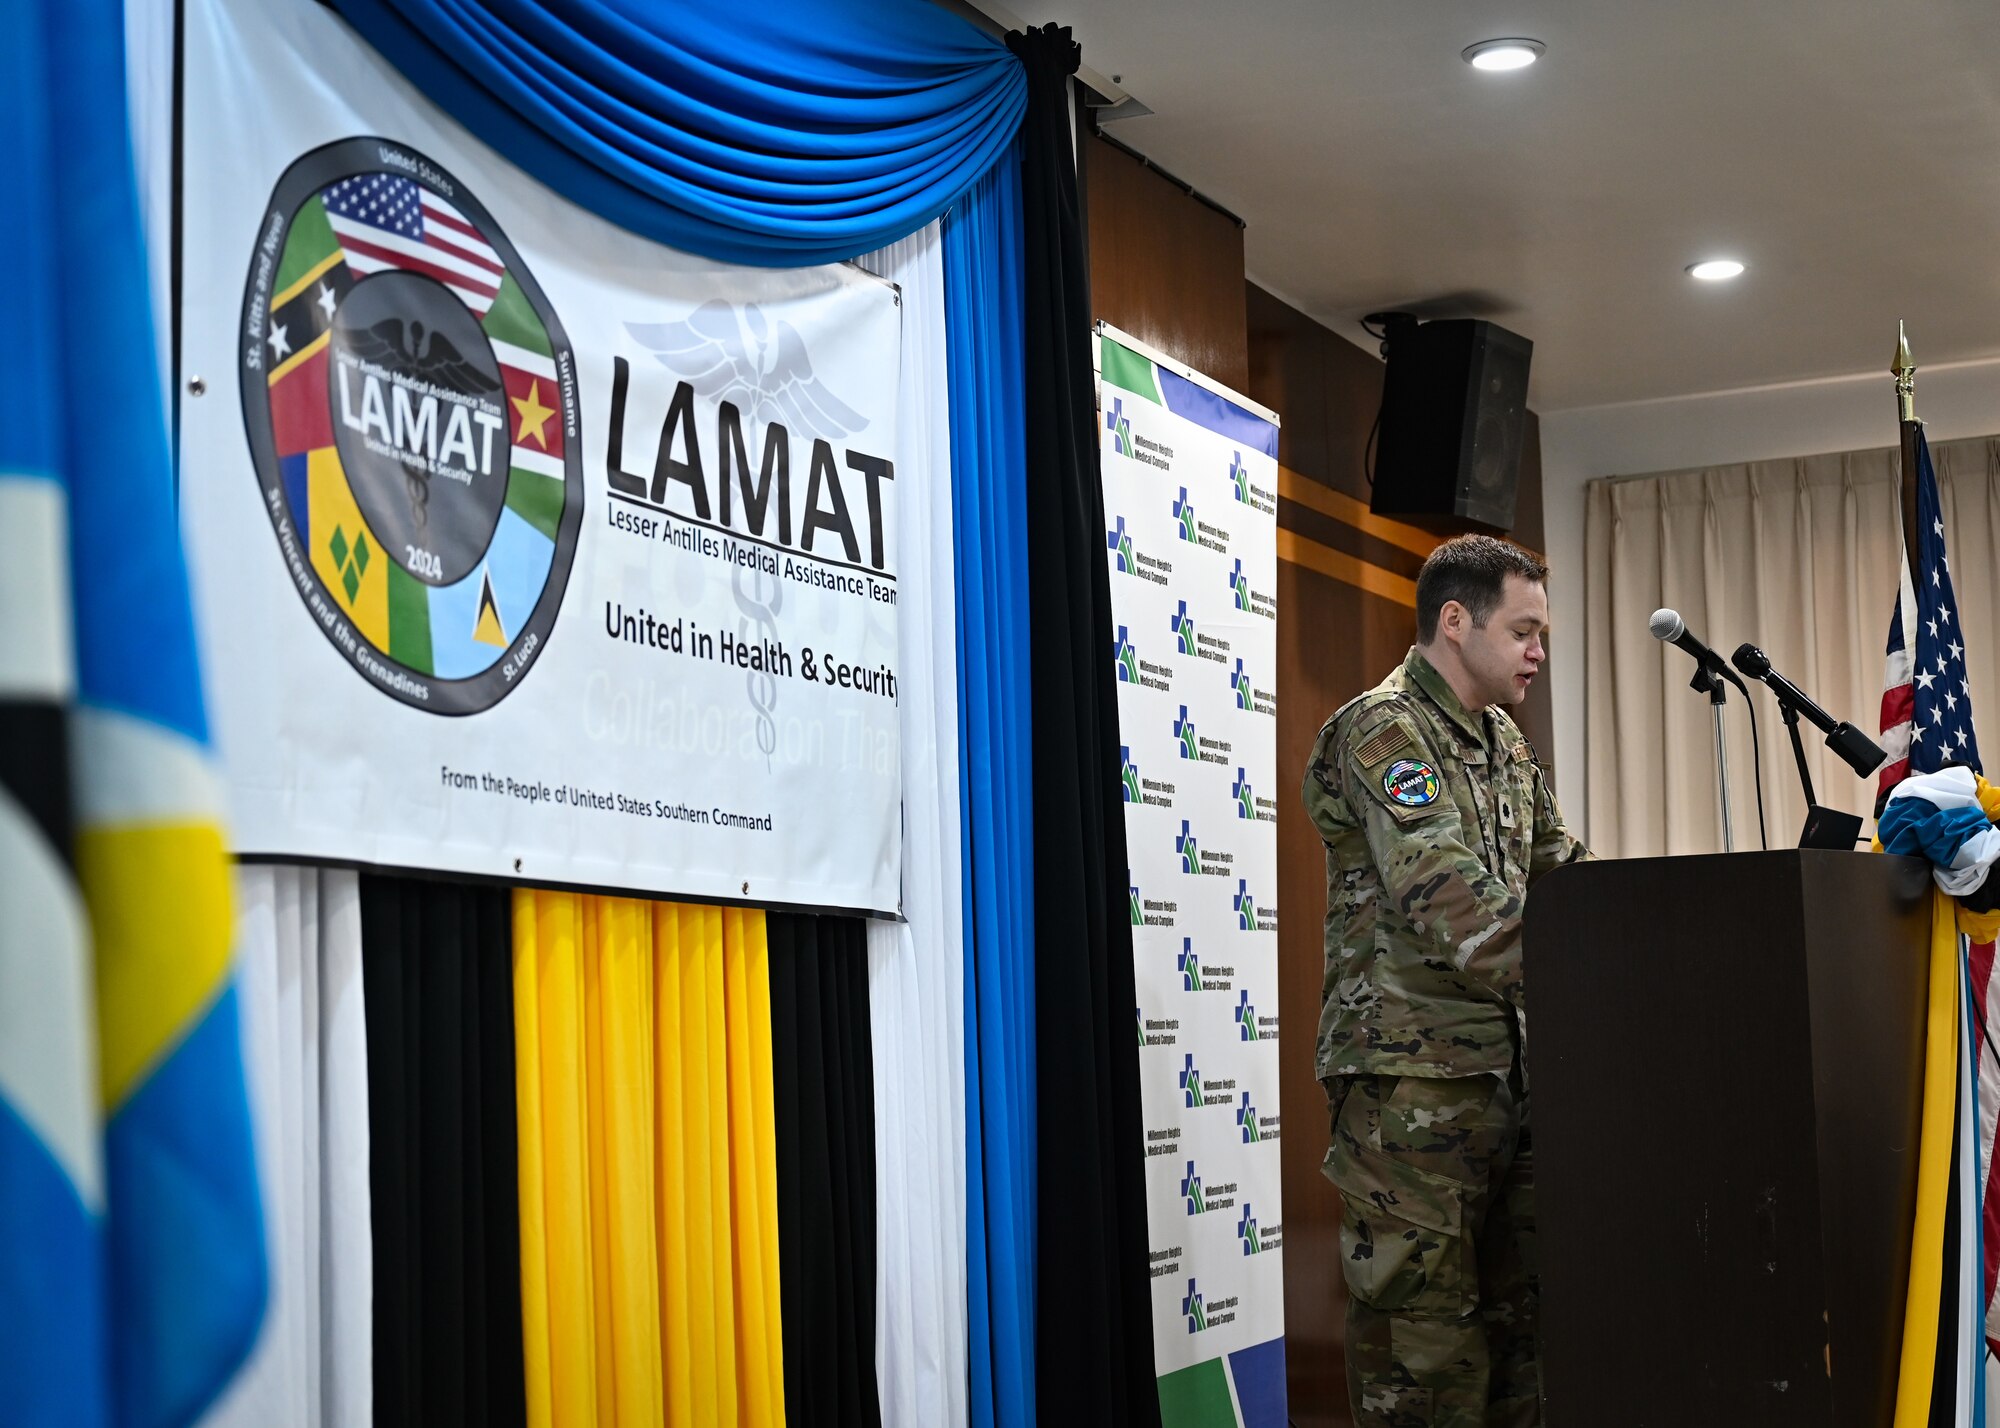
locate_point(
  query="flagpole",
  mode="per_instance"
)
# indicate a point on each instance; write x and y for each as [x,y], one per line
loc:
[1905,372]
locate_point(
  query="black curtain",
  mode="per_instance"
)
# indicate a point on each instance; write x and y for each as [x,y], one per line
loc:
[822,1064]
[1945,1365]
[437,978]
[1094,1320]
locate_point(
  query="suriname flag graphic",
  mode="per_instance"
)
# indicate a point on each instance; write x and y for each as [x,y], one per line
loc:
[409,399]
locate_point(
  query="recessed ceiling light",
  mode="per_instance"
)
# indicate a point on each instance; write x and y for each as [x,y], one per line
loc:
[1503,54]
[1715,270]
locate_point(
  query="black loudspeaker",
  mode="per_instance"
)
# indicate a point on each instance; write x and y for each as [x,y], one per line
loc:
[1454,402]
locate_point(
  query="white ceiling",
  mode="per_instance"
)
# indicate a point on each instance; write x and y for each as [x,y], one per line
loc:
[1848,152]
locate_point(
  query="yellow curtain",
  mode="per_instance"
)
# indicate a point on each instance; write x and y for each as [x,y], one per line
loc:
[648,1154]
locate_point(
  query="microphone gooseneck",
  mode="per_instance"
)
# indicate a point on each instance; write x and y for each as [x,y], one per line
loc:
[1755,663]
[1856,749]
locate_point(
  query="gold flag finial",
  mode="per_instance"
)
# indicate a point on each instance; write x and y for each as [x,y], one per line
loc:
[1905,372]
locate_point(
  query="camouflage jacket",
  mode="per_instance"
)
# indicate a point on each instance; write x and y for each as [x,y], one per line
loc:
[1435,821]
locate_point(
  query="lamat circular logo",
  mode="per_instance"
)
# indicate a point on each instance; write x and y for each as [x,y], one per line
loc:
[411,406]
[1411,782]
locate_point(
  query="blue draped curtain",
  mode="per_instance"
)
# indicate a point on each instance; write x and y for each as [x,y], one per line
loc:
[778,133]
[983,308]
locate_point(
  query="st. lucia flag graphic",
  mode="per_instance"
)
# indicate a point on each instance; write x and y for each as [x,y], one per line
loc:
[488,630]
[132,1273]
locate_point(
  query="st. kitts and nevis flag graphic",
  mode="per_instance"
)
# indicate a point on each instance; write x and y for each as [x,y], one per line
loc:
[374,222]
[132,1260]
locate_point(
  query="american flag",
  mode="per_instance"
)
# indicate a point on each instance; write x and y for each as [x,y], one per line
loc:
[387,221]
[1926,724]
[1926,693]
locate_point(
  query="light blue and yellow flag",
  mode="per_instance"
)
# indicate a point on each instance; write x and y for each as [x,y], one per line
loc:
[132,1269]
[52,1267]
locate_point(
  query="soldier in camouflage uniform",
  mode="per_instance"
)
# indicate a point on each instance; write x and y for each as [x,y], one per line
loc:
[1436,818]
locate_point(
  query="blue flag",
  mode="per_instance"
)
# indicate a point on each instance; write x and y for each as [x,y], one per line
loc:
[52,1266]
[132,1270]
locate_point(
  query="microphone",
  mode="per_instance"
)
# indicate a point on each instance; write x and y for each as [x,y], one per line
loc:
[1668,627]
[1860,752]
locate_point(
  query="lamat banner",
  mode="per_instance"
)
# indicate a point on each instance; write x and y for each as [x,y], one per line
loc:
[1190,483]
[523,546]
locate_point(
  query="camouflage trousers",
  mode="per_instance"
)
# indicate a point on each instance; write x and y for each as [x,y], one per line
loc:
[1437,1248]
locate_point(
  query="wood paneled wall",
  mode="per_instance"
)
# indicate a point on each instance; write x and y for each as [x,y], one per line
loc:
[1164,266]
[1346,615]
[1168,269]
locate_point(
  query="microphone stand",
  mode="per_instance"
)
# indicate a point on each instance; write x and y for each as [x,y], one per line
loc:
[1791,717]
[1825,827]
[1708,681]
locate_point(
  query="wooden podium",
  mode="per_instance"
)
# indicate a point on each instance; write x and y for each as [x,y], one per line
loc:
[1726,1067]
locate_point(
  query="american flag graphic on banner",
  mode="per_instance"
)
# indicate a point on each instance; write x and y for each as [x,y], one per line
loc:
[1926,725]
[386,221]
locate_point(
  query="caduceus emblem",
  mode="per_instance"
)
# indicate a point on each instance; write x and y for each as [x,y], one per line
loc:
[735,354]
[427,353]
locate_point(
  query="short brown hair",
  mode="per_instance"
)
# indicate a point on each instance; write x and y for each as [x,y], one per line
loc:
[1473,570]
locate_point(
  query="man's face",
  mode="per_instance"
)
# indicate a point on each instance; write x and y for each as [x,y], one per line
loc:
[1503,656]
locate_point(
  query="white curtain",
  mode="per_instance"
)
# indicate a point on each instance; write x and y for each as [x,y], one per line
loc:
[915,968]
[305,1049]
[1799,557]
[149,79]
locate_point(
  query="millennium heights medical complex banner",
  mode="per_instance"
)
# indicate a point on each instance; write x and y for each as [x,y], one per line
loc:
[523,546]
[1190,482]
